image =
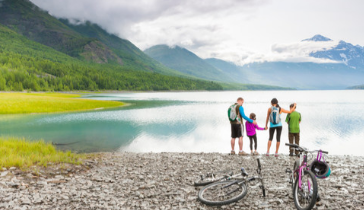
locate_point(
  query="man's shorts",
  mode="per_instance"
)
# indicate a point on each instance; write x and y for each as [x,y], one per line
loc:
[237,130]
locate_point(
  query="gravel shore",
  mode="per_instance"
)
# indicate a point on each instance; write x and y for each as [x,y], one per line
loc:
[165,181]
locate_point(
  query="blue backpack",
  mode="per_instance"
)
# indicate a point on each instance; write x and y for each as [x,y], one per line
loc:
[275,117]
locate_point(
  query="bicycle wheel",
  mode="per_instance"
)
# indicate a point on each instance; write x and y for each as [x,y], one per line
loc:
[305,196]
[222,193]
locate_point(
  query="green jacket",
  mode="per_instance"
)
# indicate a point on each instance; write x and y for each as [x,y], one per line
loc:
[293,121]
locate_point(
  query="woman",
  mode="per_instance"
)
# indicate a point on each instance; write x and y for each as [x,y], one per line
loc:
[274,116]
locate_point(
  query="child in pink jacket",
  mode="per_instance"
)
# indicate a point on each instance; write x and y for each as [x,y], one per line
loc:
[251,133]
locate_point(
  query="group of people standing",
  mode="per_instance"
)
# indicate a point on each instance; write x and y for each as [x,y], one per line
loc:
[273,117]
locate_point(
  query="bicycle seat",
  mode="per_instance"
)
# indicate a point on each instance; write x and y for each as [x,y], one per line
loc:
[243,172]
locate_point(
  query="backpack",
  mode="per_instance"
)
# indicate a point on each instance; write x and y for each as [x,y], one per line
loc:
[274,117]
[232,113]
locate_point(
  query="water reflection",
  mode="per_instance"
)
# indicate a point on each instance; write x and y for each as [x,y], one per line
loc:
[195,122]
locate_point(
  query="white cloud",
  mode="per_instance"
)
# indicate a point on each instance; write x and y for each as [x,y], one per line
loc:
[294,52]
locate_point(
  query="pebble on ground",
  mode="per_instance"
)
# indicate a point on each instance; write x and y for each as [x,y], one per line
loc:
[165,181]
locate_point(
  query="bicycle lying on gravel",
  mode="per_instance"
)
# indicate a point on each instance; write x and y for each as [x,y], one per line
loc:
[303,177]
[229,188]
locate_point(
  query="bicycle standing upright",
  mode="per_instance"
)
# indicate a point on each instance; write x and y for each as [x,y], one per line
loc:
[303,180]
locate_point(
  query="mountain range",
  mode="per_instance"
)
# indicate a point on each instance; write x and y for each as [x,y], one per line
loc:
[41,52]
[347,70]
[348,54]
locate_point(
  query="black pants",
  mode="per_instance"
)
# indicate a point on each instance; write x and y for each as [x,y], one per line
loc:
[271,133]
[251,138]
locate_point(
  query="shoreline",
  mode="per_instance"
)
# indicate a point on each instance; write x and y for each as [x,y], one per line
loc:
[47,103]
[127,180]
[81,92]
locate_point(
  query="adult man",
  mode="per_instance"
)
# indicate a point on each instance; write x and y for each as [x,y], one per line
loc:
[293,120]
[237,127]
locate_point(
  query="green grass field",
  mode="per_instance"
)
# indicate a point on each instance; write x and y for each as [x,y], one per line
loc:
[24,103]
[15,152]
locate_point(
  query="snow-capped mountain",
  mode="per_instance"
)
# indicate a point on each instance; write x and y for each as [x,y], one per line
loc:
[350,55]
[318,38]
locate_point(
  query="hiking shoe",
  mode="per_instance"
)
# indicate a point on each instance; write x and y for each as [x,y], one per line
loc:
[267,154]
[252,153]
[256,153]
[232,153]
[243,153]
[291,154]
[276,155]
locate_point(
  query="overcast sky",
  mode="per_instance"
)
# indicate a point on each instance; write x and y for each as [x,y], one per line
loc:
[241,31]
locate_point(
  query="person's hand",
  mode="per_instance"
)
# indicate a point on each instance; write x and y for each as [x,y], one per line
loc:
[254,122]
[266,128]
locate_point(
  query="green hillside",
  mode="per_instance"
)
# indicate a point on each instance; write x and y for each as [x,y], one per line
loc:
[25,18]
[87,42]
[186,62]
[129,53]
[25,64]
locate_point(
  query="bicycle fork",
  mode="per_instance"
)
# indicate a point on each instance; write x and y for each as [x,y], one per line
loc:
[300,173]
[290,175]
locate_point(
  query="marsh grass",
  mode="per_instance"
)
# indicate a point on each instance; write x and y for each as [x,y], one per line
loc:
[16,152]
[23,103]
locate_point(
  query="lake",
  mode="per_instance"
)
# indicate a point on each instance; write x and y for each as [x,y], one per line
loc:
[196,122]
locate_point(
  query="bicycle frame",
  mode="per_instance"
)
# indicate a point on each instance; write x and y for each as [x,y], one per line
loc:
[245,180]
[301,169]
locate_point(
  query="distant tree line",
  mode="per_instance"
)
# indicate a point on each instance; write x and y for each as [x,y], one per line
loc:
[23,72]
[357,87]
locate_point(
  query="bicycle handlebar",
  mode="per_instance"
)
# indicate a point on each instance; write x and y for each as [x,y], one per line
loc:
[258,163]
[302,149]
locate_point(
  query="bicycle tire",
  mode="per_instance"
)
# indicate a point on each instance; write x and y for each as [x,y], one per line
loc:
[309,176]
[218,192]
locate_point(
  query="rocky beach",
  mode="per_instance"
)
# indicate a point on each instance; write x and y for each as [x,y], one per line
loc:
[165,181]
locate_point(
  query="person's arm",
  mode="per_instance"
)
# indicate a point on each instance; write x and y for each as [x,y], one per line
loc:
[290,111]
[259,128]
[242,114]
[266,121]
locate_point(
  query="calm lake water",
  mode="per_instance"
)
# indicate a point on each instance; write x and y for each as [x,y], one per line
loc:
[196,122]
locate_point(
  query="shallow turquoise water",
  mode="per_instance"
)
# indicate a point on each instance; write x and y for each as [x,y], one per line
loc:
[196,122]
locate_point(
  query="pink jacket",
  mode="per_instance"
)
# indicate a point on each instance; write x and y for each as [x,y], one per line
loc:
[250,128]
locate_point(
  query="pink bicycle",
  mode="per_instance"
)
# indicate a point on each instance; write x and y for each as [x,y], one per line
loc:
[303,178]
